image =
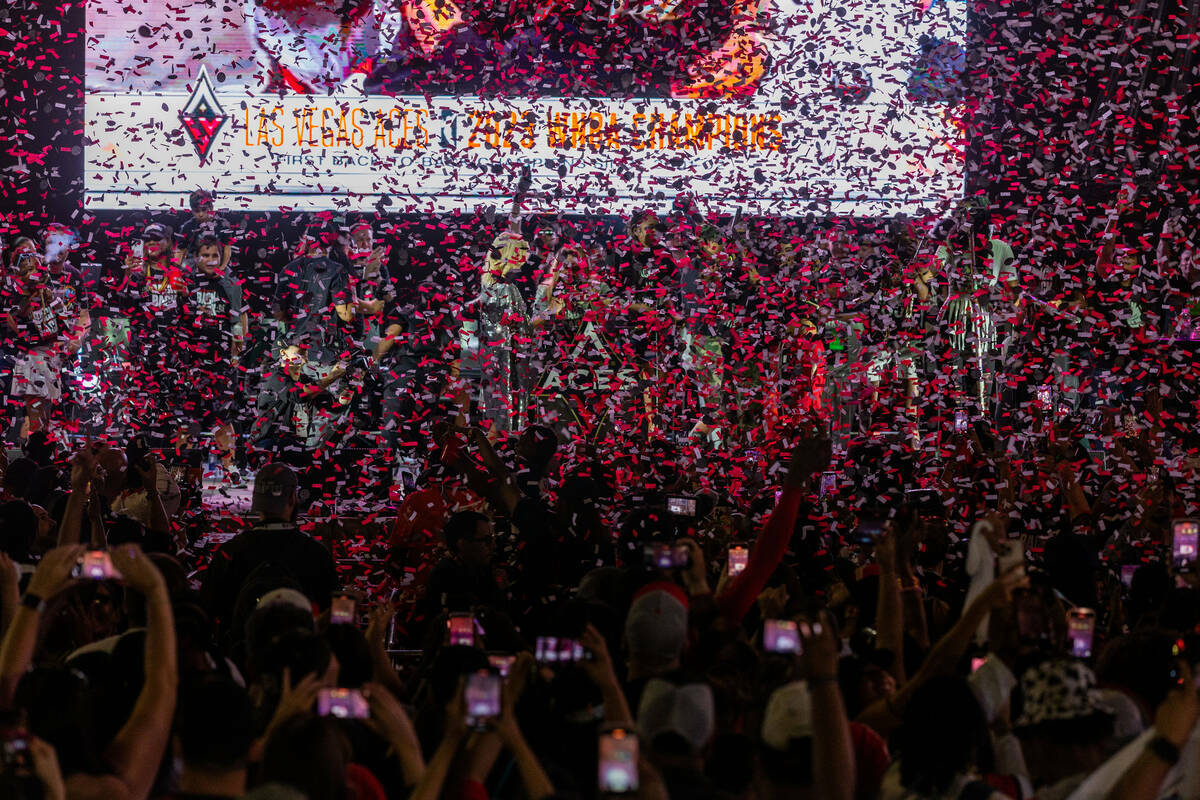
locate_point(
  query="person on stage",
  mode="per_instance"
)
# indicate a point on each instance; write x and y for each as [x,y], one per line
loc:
[505,336]
[215,324]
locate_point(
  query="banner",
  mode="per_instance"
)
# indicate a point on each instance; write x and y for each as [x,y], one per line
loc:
[869,136]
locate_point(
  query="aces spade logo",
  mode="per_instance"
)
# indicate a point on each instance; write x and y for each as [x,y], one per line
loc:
[203,116]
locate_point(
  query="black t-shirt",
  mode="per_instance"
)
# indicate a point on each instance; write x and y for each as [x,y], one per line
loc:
[284,545]
[306,292]
[214,305]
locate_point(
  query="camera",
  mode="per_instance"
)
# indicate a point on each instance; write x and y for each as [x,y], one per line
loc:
[781,636]
[739,557]
[681,505]
[667,556]
[558,650]
[95,565]
[1081,626]
[618,762]
[1185,536]
[342,704]
[342,610]
[461,628]
[481,695]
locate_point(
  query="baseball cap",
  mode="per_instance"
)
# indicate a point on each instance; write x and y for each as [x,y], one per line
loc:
[656,628]
[156,231]
[789,716]
[1060,691]
[273,485]
[687,711]
[285,597]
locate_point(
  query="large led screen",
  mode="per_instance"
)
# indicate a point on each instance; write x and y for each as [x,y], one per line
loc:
[768,106]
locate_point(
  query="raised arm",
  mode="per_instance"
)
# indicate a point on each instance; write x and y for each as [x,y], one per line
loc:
[808,458]
[833,750]
[52,576]
[889,612]
[136,752]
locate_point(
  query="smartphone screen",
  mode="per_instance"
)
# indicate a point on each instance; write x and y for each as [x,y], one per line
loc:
[1081,625]
[681,506]
[342,610]
[95,565]
[659,556]
[1184,540]
[342,703]
[781,636]
[960,421]
[462,630]
[739,557]
[557,650]
[618,762]
[481,696]
[1127,571]
[1043,396]
[828,484]
[139,248]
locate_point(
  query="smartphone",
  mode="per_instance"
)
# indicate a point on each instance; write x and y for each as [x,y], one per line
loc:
[1043,396]
[558,650]
[1081,625]
[868,532]
[14,754]
[827,485]
[482,697]
[667,556]
[139,248]
[739,557]
[342,610]
[681,505]
[462,630]
[95,565]
[781,636]
[1185,536]
[1127,571]
[960,421]
[501,662]
[342,703]
[618,762]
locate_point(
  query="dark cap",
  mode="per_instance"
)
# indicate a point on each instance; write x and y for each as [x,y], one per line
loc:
[273,486]
[156,231]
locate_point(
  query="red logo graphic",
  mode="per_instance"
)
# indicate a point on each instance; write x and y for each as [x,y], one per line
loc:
[203,116]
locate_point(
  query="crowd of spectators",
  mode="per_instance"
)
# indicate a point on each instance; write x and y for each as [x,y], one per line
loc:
[942,594]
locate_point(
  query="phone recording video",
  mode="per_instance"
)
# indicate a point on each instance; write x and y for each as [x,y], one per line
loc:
[1185,536]
[558,650]
[342,611]
[781,636]
[1081,626]
[481,695]
[95,565]
[960,421]
[461,628]
[618,762]
[828,484]
[681,505]
[1127,572]
[667,556]
[343,704]
[739,557]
